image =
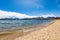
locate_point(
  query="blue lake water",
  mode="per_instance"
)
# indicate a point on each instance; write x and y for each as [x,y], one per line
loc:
[8,24]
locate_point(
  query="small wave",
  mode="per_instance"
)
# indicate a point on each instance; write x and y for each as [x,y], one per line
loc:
[10,24]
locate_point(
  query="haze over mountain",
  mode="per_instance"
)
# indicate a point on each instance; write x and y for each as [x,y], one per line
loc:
[6,14]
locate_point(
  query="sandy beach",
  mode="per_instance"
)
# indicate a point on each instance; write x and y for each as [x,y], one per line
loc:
[51,32]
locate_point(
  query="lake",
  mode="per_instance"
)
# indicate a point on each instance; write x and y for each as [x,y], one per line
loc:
[9,24]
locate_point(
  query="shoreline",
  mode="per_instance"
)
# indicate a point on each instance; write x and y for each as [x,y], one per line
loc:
[51,32]
[20,29]
[16,34]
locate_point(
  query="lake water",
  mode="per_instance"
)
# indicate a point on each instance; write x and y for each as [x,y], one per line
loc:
[9,24]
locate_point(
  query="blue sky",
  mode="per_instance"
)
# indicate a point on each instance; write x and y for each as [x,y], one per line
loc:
[31,7]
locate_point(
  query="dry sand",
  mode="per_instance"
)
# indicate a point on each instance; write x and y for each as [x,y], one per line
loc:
[51,32]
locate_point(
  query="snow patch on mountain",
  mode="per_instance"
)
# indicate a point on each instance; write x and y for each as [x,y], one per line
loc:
[48,15]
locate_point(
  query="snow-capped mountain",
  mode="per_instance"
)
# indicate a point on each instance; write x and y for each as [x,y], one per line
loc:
[48,15]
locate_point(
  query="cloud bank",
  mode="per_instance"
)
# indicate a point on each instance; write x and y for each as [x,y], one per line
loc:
[6,14]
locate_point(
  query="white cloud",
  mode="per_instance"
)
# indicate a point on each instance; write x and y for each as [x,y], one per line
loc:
[48,15]
[6,14]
